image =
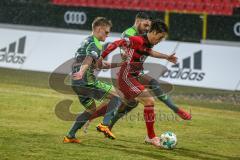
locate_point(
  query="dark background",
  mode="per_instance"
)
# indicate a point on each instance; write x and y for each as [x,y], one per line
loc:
[182,27]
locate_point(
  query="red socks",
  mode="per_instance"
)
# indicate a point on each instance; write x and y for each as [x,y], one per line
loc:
[149,117]
[99,112]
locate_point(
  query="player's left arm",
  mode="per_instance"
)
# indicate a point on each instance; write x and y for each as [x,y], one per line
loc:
[171,58]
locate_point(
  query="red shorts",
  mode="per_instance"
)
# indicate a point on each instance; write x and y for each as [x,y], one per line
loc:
[129,85]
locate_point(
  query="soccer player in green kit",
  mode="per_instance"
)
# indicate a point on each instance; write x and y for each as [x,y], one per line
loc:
[141,26]
[84,82]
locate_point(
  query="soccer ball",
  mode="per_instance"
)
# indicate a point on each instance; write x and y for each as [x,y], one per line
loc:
[168,140]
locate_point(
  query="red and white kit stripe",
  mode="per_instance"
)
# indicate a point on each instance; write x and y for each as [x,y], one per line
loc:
[137,48]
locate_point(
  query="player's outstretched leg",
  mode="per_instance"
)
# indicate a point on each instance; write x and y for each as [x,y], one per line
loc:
[155,85]
[149,116]
[103,127]
[123,110]
[80,121]
[101,111]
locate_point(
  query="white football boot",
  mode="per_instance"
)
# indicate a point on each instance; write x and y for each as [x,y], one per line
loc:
[154,141]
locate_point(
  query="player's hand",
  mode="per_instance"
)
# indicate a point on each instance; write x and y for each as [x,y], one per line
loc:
[172,58]
[78,75]
[106,65]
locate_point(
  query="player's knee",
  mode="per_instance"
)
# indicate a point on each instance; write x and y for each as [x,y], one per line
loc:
[154,84]
[111,96]
[116,100]
[149,101]
[91,110]
[133,104]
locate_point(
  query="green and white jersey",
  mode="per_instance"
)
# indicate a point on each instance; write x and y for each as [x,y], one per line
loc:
[132,31]
[89,47]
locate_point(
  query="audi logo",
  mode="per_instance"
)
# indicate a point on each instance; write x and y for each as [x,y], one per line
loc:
[72,17]
[236,29]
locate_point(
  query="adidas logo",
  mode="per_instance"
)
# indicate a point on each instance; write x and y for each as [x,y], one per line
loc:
[185,70]
[14,53]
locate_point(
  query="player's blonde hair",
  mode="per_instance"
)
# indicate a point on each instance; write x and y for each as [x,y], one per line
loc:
[101,21]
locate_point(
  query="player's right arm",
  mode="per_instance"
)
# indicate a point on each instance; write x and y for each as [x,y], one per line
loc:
[85,65]
[91,54]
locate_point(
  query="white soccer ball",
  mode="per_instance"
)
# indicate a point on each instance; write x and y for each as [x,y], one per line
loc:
[168,140]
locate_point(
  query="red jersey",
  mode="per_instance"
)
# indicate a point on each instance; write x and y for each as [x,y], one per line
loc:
[137,48]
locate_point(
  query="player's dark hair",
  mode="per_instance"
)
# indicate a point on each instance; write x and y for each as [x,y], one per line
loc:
[159,26]
[101,21]
[142,15]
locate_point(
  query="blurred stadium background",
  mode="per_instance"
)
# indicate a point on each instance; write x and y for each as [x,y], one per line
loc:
[37,36]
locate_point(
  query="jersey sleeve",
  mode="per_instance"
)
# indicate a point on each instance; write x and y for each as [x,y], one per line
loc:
[134,42]
[111,47]
[105,45]
[92,51]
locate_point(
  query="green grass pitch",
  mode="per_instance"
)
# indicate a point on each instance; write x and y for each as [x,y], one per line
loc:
[30,130]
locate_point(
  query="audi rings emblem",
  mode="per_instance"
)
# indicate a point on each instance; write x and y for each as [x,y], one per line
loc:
[74,17]
[236,29]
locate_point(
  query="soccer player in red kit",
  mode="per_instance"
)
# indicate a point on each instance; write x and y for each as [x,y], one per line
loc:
[138,48]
